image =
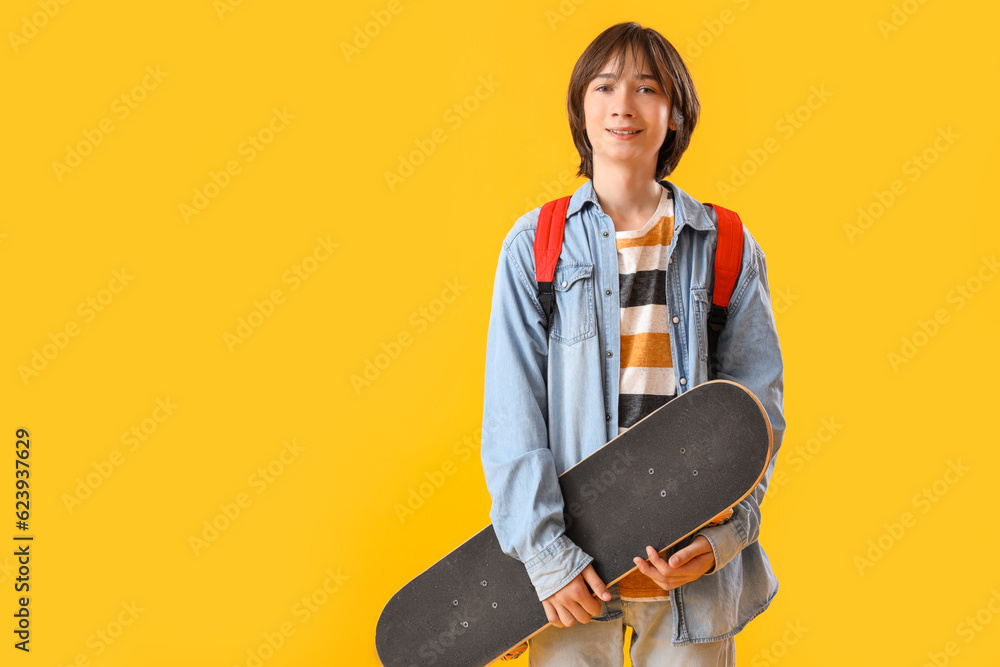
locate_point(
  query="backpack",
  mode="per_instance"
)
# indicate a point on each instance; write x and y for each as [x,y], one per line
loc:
[728,257]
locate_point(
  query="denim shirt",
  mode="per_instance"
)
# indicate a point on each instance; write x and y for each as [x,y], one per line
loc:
[551,401]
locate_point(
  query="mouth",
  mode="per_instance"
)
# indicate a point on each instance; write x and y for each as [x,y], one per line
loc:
[624,132]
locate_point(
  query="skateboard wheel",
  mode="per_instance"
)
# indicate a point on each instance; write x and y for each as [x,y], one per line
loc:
[682,450]
[455,603]
[663,493]
[494,605]
[516,653]
[465,624]
[694,472]
[484,582]
[650,471]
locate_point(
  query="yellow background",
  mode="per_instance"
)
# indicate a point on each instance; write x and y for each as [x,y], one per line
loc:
[843,305]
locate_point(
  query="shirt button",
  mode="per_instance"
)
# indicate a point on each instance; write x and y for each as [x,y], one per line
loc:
[564,283]
[605,235]
[608,292]
[610,354]
[683,381]
[607,417]
[676,319]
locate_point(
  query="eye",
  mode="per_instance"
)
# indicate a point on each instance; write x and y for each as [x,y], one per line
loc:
[603,85]
[652,90]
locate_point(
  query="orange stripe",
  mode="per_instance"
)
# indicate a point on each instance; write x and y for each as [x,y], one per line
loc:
[660,234]
[648,350]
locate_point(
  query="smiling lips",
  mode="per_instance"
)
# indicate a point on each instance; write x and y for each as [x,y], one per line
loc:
[624,132]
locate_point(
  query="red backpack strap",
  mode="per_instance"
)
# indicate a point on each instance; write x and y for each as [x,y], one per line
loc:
[728,258]
[728,255]
[548,245]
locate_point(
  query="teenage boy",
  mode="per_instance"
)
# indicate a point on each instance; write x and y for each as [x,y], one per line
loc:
[633,287]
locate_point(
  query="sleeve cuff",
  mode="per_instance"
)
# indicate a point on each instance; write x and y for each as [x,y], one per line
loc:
[556,565]
[726,540]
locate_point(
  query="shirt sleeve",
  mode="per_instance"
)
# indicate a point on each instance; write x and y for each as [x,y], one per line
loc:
[520,472]
[749,354]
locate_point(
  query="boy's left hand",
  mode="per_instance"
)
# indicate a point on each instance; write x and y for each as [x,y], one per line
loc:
[684,566]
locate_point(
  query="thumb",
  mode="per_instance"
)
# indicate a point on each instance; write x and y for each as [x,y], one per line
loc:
[681,557]
[591,577]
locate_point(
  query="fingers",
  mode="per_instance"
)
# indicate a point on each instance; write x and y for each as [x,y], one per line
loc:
[558,614]
[550,613]
[690,570]
[697,566]
[657,572]
[581,604]
[655,559]
[655,566]
[568,613]
[580,613]
[655,575]
[594,580]
[699,546]
[574,602]
[669,578]
[667,575]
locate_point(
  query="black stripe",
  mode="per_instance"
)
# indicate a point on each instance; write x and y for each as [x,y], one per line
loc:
[643,288]
[633,407]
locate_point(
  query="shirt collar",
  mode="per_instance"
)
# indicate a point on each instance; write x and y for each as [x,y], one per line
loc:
[687,210]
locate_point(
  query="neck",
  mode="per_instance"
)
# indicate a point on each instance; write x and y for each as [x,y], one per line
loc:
[629,198]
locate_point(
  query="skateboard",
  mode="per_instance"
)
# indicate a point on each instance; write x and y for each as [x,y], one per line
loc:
[668,476]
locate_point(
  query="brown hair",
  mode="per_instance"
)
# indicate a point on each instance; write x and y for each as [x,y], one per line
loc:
[645,44]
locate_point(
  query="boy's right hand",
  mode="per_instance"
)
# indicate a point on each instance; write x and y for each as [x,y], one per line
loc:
[574,601]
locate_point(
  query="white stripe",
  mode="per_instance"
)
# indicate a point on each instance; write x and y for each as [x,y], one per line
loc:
[640,380]
[651,318]
[642,258]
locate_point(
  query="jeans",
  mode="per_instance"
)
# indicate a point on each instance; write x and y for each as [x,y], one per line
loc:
[600,642]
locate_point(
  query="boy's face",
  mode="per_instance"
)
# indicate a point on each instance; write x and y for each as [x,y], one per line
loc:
[636,102]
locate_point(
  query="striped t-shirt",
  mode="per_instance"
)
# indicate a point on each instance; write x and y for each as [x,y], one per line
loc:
[646,378]
[647,374]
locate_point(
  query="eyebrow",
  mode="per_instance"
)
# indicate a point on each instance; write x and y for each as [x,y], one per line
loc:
[609,75]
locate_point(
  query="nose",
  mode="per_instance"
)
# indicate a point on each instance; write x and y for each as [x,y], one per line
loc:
[622,105]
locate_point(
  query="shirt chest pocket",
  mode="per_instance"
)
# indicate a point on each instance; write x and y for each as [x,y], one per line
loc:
[573,316]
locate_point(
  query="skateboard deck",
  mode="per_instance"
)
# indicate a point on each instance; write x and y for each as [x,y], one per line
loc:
[662,480]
